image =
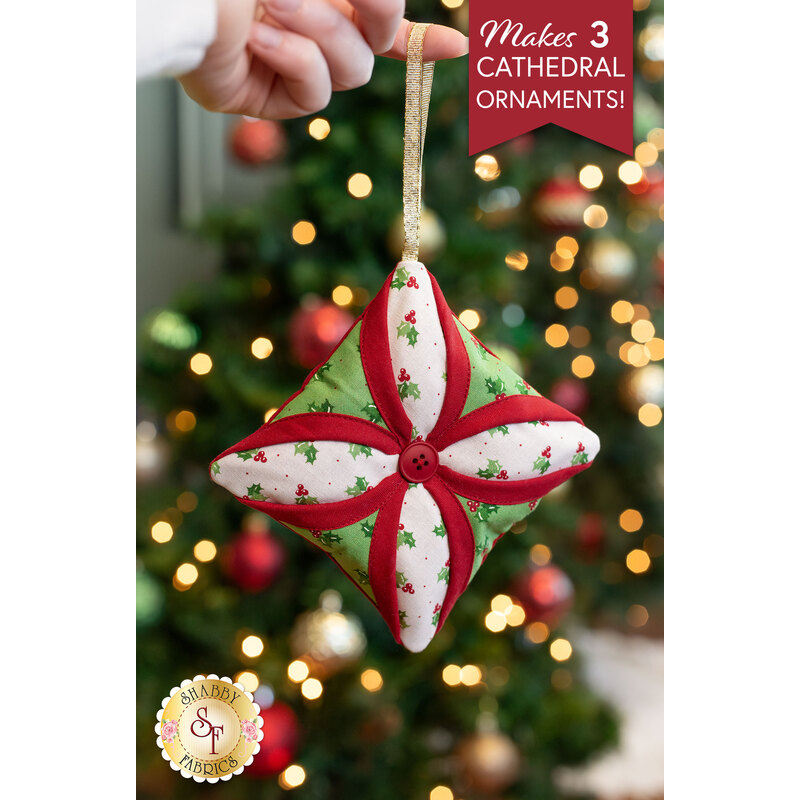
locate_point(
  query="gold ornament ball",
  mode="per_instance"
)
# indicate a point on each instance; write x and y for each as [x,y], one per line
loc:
[490,761]
[432,236]
[327,640]
[611,263]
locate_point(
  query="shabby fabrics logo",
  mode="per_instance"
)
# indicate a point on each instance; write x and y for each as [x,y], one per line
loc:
[209,729]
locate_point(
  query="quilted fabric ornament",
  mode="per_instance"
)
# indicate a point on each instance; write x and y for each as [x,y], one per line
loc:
[413,448]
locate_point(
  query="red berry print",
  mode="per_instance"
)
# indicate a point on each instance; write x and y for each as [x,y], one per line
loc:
[403,376]
[501,396]
[316,534]
[502,475]
[411,317]
[408,588]
[581,448]
[546,452]
[301,490]
[260,457]
[472,505]
[412,283]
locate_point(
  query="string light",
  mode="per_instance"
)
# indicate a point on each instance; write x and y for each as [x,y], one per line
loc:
[187,502]
[636,616]
[451,675]
[566,297]
[248,679]
[442,792]
[591,176]
[517,260]
[595,216]
[261,348]
[470,319]
[205,550]
[342,295]
[579,336]
[537,632]
[487,168]
[631,520]
[292,777]
[201,363]
[560,262]
[161,532]
[630,172]
[646,154]
[470,675]
[643,330]
[582,366]
[637,561]
[622,312]
[252,646]
[540,554]
[359,185]
[304,232]
[638,355]
[311,689]
[656,348]
[556,335]
[184,421]
[650,415]
[371,680]
[297,671]
[560,649]
[319,128]
[567,246]
[186,574]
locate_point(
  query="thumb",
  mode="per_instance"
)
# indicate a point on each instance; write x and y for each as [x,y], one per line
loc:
[440,42]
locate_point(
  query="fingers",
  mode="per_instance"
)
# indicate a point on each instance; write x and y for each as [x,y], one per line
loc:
[440,42]
[305,87]
[378,21]
[349,57]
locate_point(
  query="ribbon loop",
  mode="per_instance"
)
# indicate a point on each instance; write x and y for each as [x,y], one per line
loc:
[419,78]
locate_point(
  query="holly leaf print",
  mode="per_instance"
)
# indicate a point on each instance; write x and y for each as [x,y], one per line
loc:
[495,386]
[499,429]
[439,530]
[308,450]
[215,467]
[370,411]
[409,331]
[328,538]
[357,450]
[405,537]
[324,406]
[367,527]
[400,579]
[522,387]
[401,275]
[363,577]
[491,469]
[542,464]
[247,454]
[408,389]
[256,492]
[435,617]
[321,371]
[306,500]
[361,486]
[485,510]
[444,575]
[579,458]
[403,621]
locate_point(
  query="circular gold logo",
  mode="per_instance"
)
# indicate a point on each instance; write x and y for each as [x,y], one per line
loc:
[209,728]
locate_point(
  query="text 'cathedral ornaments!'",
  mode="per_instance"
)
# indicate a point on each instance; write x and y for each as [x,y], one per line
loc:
[534,63]
[411,451]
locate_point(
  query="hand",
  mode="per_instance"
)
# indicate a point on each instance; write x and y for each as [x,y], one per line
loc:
[282,58]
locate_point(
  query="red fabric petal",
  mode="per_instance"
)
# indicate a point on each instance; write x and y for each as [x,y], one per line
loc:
[517,408]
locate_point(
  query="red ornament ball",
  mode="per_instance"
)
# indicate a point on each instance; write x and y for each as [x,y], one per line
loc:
[253,560]
[559,204]
[279,745]
[257,141]
[590,535]
[546,593]
[315,329]
[570,393]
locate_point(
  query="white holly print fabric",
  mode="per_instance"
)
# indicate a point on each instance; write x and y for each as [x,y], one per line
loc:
[304,472]
[416,344]
[423,568]
[522,450]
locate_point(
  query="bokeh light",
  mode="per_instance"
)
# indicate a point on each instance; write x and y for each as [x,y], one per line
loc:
[517,260]
[560,649]
[304,232]
[470,319]
[187,502]
[630,172]
[537,632]
[582,366]
[631,520]
[591,176]
[637,561]
[252,646]
[556,335]
[319,128]
[540,554]
[269,414]
[656,348]
[636,616]
[595,216]
[311,689]
[646,154]
[161,531]
[622,312]
[184,421]
[567,246]
[579,336]
[297,671]
[650,415]
[487,168]
[201,363]
[566,297]
[442,792]
[643,330]
[186,574]
[342,295]
[292,777]
[359,185]
[372,680]
[451,675]
[261,348]
[470,675]
[205,550]
[561,262]
[248,679]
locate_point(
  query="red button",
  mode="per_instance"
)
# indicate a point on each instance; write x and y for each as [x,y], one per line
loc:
[418,462]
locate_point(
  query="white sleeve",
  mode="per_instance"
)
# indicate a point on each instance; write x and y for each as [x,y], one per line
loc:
[172,35]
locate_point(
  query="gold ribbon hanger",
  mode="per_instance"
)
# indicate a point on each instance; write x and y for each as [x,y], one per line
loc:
[419,78]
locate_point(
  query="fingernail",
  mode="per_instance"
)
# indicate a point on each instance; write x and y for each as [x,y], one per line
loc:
[267,36]
[285,5]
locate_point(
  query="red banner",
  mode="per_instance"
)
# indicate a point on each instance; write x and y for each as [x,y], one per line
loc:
[534,62]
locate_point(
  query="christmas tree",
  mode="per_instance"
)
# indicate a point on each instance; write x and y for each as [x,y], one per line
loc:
[549,249]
